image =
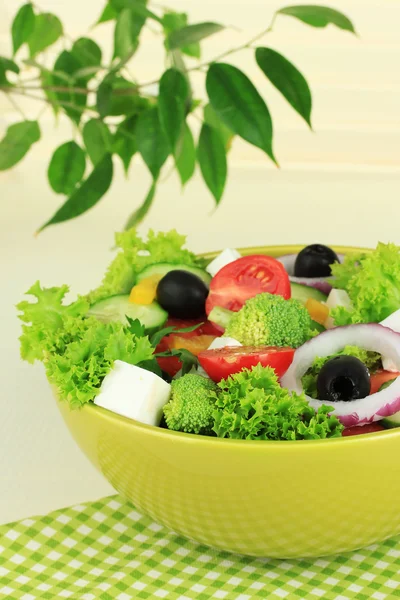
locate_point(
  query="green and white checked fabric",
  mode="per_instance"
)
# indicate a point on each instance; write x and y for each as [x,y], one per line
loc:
[107,551]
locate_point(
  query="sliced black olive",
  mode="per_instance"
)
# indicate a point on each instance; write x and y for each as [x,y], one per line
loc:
[343,378]
[182,294]
[315,261]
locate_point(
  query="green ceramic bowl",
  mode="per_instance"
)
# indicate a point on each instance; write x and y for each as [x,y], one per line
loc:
[260,498]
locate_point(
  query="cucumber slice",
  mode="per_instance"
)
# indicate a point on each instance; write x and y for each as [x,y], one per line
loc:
[391,422]
[115,308]
[164,268]
[304,292]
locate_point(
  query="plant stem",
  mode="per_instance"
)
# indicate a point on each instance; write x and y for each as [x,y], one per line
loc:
[15,105]
[60,102]
[201,66]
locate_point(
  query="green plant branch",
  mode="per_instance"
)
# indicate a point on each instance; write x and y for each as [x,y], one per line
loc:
[203,65]
[16,106]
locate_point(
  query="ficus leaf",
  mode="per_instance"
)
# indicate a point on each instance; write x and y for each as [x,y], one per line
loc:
[239,105]
[67,63]
[86,195]
[16,143]
[7,65]
[124,143]
[109,14]
[172,21]
[151,141]
[138,215]
[66,168]
[192,34]
[22,26]
[185,155]
[173,94]
[212,160]
[88,54]
[287,79]
[318,16]
[127,30]
[226,134]
[47,30]
[97,139]
[103,98]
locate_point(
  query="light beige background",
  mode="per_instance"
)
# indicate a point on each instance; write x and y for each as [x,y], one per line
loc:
[340,184]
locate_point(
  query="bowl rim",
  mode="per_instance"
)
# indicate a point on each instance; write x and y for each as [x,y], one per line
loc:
[190,438]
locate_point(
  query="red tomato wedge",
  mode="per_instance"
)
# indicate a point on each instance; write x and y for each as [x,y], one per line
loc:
[381,377]
[244,278]
[222,362]
[369,428]
[202,338]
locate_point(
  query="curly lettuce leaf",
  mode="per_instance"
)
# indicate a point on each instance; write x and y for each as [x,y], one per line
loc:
[79,370]
[252,405]
[77,351]
[44,319]
[135,255]
[372,281]
[372,360]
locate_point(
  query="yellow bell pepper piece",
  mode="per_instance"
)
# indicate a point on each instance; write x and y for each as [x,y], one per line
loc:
[318,312]
[145,292]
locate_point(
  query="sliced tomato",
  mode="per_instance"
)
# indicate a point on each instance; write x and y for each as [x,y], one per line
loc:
[207,331]
[358,430]
[381,377]
[244,278]
[222,362]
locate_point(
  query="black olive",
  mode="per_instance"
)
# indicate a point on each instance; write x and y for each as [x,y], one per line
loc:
[343,378]
[182,294]
[315,261]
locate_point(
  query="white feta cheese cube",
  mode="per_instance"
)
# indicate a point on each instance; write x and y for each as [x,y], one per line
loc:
[225,258]
[133,392]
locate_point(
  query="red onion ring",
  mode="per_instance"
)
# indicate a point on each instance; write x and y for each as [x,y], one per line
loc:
[370,336]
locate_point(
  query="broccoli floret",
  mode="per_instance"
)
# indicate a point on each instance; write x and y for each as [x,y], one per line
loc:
[191,406]
[267,320]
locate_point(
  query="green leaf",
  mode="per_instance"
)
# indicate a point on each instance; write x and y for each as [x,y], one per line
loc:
[16,143]
[125,99]
[47,81]
[287,79]
[86,195]
[173,94]
[68,64]
[127,30]
[109,14]
[212,160]
[172,21]
[192,34]
[138,215]
[47,30]
[103,98]
[138,7]
[88,54]
[124,143]
[7,65]
[239,105]
[318,16]
[97,139]
[156,338]
[212,119]
[185,156]
[22,26]
[67,167]
[151,141]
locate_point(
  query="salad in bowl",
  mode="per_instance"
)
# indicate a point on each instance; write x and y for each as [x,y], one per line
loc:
[244,346]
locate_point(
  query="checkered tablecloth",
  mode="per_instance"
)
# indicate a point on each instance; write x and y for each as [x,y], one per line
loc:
[106,550]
